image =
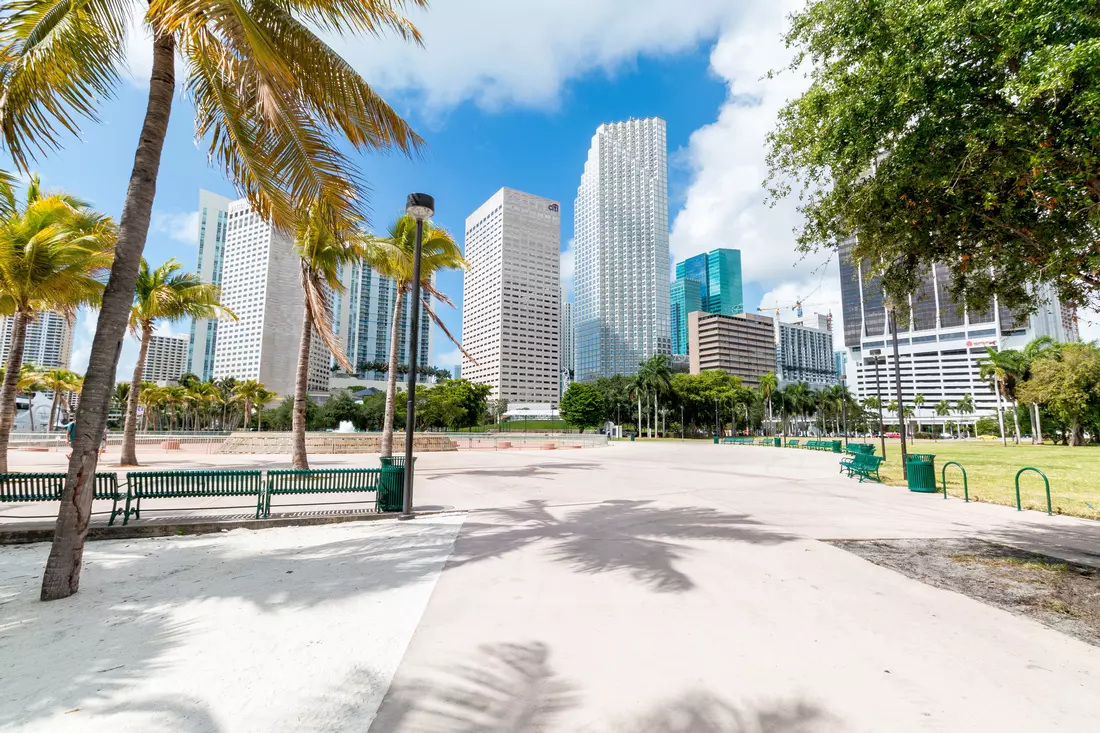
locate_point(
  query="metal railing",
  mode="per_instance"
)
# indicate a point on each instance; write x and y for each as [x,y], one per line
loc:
[194,442]
[526,441]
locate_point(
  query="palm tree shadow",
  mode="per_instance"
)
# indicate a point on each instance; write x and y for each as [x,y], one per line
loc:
[699,711]
[635,537]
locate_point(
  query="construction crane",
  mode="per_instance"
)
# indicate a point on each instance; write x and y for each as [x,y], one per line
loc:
[797,307]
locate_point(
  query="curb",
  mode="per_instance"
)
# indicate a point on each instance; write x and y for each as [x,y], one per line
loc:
[173,529]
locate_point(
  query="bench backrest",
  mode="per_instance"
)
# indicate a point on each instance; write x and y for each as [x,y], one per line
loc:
[19,487]
[169,484]
[867,461]
[327,480]
[793,443]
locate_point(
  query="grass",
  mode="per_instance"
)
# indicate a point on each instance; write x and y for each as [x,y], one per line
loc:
[1074,473]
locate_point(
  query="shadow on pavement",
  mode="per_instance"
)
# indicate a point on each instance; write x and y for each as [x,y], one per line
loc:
[632,536]
[534,470]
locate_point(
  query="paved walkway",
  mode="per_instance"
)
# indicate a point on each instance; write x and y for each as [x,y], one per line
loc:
[683,588]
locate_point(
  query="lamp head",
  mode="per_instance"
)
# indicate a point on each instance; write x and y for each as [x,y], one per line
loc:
[420,206]
[875,352]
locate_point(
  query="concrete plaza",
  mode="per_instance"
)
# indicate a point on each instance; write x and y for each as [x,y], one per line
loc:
[639,587]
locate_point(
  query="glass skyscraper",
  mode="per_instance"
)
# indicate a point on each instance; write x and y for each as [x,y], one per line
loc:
[621,287]
[718,272]
[686,296]
[213,220]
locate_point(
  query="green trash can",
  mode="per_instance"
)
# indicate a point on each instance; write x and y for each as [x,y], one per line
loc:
[837,446]
[778,442]
[391,498]
[920,468]
[716,440]
[632,436]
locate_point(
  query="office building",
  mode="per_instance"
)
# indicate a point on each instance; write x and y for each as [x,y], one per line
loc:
[166,359]
[364,322]
[213,217]
[804,352]
[686,296]
[840,362]
[48,342]
[718,273]
[621,285]
[940,342]
[510,310]
[568,365]
[742,344]
[260,283]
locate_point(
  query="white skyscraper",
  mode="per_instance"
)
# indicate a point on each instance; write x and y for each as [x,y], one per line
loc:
[166,359]
[621,287]
[260,284]
[48,343]
[213,217]
[510,310]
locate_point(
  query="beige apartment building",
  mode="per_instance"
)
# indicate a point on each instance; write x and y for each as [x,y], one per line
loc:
[741,344]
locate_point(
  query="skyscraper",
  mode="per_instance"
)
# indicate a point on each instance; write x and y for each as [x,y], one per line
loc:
[686,297]
[510,294]
[260,283]
[48,342]
[364,321]
[166,359]
[718,272]
[621,289]
[213,216]
[804,351]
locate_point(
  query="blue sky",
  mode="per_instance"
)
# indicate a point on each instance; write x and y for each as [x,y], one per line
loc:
[500,107]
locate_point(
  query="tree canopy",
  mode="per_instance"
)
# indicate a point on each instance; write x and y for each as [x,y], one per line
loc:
[959,132]
[582,406]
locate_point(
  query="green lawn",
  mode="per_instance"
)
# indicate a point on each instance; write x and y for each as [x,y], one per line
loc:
[991,468]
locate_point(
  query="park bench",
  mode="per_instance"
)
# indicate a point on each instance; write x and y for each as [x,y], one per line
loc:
[18,488]
[861,448]
[863,465]
[792,443]
[328,481]
[190,484]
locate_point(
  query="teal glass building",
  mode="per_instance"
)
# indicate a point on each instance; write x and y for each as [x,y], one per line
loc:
[718,273]
[686,296]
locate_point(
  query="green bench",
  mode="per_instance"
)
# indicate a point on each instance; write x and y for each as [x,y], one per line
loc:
[328,481]
[18,488]
[863,465]
[861,448]
[792,443]
[190,484]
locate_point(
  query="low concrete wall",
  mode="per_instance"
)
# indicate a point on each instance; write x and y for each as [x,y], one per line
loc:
[319,443]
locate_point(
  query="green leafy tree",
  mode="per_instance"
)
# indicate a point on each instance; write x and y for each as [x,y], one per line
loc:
[942,409]
[954,132]
[769,383]
[162,294]
[918,403]
[582,407]
[1043,347]
[1069,386]
[51,248]
[276,105]
[1004,370]
[58,381]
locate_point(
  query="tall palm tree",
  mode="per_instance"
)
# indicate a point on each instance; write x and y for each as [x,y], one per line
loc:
[1043,347]
[769,383]
[275,102]
[58,381]
[392,256]
[246,393]
[802,400]
[51,248]
[162,294]
[965,406]
[264,397]
[943,409]
[637,388]
[658,379]
[1004,369]
[918,402]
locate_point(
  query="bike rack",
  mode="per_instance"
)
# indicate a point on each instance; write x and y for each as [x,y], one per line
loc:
[1046,482]
[943,477]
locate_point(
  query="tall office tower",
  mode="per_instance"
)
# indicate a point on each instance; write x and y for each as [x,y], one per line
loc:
[166,359]
[686,297]
[510,309]
[742,345]
[941,343]
[568,365]
[213,216]
[48,342]
[364,322]
[719,274]
[804,351]
[260,284]
[621,290]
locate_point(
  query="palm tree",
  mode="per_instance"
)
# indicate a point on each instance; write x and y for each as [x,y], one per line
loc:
[151,397]
[246,393]
[918,402]
[769,383]
[965,406]
[637,387]
[51,248]
[275,102]
[163,294]
[658,379]
[1004,369]
[392,256]
[1043,347]
[58,381]
[943,409]
[802,400]
[263,398]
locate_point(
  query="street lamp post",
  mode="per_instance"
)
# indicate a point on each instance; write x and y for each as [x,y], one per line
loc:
[897,389]
[419,206]
[875,354]
[716,431]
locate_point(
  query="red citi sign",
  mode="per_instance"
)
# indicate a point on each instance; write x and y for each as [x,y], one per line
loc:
[554,207]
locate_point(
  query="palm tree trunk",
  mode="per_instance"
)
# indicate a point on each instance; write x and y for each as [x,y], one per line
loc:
[30,412]
[62,576]
[53,410]
[129,431]
[639,430]
[1016,420]
[301,387]
[655,414]
[1036,426]
[391,378]
[11,379]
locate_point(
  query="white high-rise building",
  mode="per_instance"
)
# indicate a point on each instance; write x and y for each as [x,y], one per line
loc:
[621,286]
[364,322]
[567,361]
[804,351]
[166,359]
[48,342]
[213,218]
[510,309]
[260,284]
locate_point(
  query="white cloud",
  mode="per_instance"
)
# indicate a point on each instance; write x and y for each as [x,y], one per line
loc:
[1088,323]
[82,347]
[568,268]
[447,359]
[182,227]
